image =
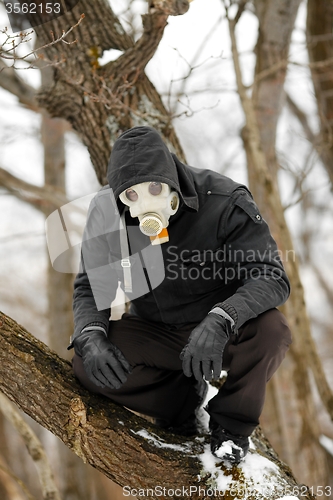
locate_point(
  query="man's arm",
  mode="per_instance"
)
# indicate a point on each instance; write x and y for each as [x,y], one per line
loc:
[84,307]
[253,257]
[96,285]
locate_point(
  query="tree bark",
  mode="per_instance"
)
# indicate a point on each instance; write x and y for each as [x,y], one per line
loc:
[122,446]
[34,447]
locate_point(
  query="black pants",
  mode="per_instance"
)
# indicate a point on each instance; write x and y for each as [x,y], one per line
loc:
[158,387]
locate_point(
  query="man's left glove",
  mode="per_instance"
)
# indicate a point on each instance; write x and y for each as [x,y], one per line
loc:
[203,354]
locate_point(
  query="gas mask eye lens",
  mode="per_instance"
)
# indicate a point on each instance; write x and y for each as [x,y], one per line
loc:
[131,195]
[155,188]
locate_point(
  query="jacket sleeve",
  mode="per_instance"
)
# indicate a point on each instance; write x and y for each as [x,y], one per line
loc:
[96,284]
[252,257]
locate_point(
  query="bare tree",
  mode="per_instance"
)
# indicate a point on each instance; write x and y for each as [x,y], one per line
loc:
[101,100]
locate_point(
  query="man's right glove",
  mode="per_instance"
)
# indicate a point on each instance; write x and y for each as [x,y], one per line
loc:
[104,364]
[203,354]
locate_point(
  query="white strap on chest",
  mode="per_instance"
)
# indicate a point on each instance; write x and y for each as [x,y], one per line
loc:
[125,257]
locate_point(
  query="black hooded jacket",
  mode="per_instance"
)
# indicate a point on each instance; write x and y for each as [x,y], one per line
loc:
[220,250]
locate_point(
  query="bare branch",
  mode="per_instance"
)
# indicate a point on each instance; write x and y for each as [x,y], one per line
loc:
[34,447]
[241,7]
[8,49]
[190,112]
[170,7]
[36,203]
[302,118]
[17,480]
[45,194]
[191,68]
[323,282]
[10,81]
[320,145]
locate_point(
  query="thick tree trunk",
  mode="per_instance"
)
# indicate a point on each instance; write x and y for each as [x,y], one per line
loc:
[122,446]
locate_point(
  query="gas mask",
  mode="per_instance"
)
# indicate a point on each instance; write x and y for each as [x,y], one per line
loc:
[153,203]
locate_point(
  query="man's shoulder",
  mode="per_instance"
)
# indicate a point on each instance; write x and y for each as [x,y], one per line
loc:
[209,181]
[103,195]
[103,203]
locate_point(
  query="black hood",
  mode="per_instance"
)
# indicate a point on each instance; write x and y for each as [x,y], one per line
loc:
[140,155]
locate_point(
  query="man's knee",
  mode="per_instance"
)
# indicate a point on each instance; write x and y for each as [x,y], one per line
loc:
[276,326]
[270,331]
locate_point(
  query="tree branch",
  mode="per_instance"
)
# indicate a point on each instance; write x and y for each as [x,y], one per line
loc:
[18,481]
[323,282]
[135,59]
[322,147]
[45,194]
[303,119]
[10,81]
[35,449]
[170,7]
[241,8]
[8,49]
[118,443]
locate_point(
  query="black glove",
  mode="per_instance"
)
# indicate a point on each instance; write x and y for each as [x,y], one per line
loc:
[104,364]
[203,354]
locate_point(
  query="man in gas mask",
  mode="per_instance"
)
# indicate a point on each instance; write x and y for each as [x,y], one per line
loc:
[204,278]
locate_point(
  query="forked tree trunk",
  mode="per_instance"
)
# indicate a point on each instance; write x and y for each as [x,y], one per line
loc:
[101,101]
